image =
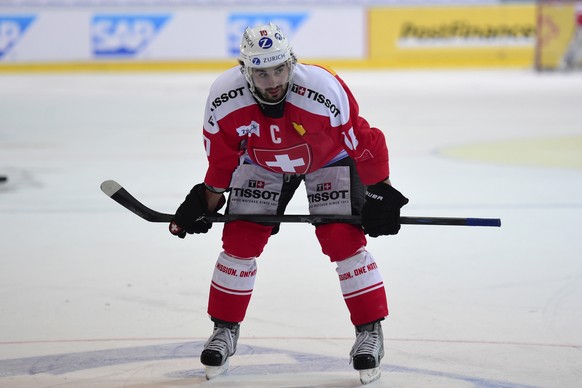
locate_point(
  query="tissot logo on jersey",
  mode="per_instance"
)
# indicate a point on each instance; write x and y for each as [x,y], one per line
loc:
[316,96]
[323,186]
[224,97]
[238,192]
[257,184]
[298,89]
[328,195]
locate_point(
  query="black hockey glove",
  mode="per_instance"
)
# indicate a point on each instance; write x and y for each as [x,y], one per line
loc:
[381,211]
[188,217]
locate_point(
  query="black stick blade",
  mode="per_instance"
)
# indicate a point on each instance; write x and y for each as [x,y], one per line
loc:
[116,192]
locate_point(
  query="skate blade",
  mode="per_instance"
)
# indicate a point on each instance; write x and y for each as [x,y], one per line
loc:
[369,375]
[214,371]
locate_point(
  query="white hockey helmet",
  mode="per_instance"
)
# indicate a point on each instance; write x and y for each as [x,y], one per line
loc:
[264,46]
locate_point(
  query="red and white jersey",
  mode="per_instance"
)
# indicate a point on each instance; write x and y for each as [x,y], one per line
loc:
[320,123]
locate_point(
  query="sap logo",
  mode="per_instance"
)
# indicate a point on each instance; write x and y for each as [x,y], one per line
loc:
[124,35]
[12,28]
[289,22]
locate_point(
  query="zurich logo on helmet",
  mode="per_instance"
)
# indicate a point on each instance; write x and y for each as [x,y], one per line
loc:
[265,43]
[256,61]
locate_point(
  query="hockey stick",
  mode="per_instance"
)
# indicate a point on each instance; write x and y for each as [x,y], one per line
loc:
[116,192]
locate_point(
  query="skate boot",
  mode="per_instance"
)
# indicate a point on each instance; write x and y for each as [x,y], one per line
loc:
[219,347]
[368,351]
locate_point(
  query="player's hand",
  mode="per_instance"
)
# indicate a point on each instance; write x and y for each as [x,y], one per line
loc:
[381,211]
[189,217]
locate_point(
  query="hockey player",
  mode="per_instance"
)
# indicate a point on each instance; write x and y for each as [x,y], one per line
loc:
[269,125]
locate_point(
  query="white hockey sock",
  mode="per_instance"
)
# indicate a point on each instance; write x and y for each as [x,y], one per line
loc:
[359,274]
[234,276]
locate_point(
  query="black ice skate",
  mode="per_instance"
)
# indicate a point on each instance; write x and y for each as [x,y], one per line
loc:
[368,351]
[219,347]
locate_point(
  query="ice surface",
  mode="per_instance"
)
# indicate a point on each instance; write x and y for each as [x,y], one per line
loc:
[93,296]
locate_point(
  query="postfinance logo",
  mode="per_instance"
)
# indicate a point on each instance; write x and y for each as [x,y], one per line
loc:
[124,35]
[12,28]
[289,22]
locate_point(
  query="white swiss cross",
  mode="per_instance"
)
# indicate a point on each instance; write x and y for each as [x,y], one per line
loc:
[175,228]
[285,163]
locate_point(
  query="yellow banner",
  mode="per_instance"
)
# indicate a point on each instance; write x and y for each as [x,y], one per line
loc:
[470,36]
[557,23]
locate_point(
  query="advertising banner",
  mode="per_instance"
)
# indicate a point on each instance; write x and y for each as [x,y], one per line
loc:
[208,37]
[559,35]
[167,34]
[452,36]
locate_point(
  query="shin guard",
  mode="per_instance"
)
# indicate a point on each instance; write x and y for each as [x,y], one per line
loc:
[363,288]
[231,288]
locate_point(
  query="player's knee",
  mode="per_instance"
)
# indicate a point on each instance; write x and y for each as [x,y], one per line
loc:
[245,239]
[340,241]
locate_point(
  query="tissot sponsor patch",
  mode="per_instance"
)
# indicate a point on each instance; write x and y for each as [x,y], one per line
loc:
[317,97]
[328,191]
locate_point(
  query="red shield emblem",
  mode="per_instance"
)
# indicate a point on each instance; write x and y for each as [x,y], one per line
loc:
[292,160]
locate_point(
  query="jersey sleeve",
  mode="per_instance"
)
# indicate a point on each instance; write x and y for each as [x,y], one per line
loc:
[223,148]
[221,163]
[364,143]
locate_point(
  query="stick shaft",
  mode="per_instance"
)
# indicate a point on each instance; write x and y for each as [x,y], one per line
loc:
[116,192]
[315,219]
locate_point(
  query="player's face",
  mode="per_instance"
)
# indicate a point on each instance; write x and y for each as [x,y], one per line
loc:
[271,82]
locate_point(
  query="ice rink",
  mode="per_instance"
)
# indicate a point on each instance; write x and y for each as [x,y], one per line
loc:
[93,296]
